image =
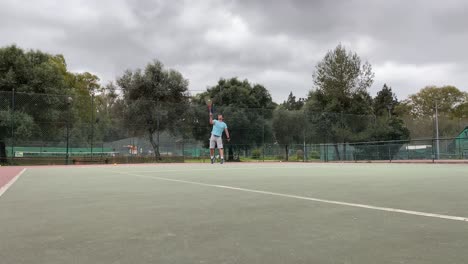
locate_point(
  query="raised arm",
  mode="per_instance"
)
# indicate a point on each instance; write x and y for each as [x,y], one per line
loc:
[211,118]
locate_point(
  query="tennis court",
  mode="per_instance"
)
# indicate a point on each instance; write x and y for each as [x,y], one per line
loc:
[236,213]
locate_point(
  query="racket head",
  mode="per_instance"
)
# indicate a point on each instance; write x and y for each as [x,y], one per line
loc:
[209,103]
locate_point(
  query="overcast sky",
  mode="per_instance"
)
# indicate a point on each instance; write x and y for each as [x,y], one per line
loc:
[410,44]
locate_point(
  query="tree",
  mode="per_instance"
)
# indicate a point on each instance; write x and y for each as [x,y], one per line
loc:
[37,81]
[288,127]
[339,108]
[20,124]
[379,137]
[419,111]
[247,109]
[383,125]
[110,109]
[461,110]
[156,99]
[387,126]
[84,108]
[385,102]
[340,76]
[32,71]
[292,104]
[447,99]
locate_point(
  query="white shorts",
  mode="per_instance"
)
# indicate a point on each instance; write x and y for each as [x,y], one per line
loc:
[216,141]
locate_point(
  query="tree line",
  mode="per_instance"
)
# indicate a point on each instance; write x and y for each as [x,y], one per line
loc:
[40,99]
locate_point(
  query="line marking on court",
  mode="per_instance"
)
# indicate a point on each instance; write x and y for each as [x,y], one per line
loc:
[5,187]
[216,169]
[247,167]
[365,206]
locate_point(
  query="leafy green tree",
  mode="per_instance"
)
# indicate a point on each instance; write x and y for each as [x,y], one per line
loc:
[340,107]
[32,71]
[461,110]
[379,145]
[419,111]
[110,109]
[383,125]
[156,99]
[385,102]
[386,107]
[22,125]
[86,87]
[37,81]
[288,127]
[292,104]
[447,99]
[340,77]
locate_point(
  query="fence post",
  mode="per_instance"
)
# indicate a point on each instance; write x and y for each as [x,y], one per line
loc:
[13,98]
[354,155]
[67,155]
[460,148]
[157,130]
[263,134]
[183,149]
[408,149]
[437,130]
[326,149]
[389,153]
[304,154]
[92,124]
[433,154]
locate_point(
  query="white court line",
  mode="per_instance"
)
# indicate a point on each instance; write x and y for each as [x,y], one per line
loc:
[220,169]
[10,183]
[371,207]
[252,167]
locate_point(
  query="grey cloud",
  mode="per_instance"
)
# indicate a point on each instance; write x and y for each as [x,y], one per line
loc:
[275,43]
[399,28]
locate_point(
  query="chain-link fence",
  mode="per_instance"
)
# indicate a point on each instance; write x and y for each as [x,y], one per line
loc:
[81,128]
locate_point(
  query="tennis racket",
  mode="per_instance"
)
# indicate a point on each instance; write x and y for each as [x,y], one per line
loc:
[210,105]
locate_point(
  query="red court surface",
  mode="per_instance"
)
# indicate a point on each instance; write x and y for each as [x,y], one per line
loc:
[7,174]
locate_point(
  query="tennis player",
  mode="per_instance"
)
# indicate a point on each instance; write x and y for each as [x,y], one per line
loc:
[216,136]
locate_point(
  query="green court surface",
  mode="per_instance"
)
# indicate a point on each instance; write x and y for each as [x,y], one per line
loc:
[237,213]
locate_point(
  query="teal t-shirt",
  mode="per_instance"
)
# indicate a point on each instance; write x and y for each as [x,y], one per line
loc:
[218,128]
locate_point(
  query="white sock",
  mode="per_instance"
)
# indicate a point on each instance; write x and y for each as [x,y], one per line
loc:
[222,157]
[212,157]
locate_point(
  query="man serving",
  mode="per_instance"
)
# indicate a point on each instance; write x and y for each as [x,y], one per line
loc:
[216,136]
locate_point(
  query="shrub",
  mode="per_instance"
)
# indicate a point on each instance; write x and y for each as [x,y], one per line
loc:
[256,153]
